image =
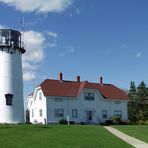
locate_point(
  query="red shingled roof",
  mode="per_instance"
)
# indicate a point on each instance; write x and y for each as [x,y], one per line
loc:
[60,88]
[108,91]
[72,89]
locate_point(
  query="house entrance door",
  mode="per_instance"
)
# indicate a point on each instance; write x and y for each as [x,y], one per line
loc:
[89,115]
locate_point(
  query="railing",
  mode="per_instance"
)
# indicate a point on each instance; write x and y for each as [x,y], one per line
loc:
[13,44]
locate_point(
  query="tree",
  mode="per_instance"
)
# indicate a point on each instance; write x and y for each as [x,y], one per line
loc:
[141,95]
[138,106]
[132,104]
[142,91]
[132,92]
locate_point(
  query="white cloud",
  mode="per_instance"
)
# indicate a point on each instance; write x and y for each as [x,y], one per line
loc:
[29,76]
[66,52]
[77,11]
[34,54]
[52,39]
[27,66]
[138,55]
[52,34]
[36,42]
[39,5]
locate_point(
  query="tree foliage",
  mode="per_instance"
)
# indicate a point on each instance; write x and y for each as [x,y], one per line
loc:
[138,104]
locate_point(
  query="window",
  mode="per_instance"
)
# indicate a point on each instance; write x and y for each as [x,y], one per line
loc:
[40,96]
[104,113]
[86,95]
[9,99]
[118,113]
[74,113]
[40,113]
[58,99]
[59,112]
[89,96]
[11,52]
[32,113]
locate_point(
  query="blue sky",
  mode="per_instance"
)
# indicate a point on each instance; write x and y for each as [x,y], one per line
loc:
[90,38]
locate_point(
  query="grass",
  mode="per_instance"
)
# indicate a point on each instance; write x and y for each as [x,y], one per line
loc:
[58,136]
[137,131]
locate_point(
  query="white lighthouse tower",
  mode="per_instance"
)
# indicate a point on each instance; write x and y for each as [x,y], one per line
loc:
[11,81]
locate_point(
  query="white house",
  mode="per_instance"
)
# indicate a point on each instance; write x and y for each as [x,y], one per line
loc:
[76,101]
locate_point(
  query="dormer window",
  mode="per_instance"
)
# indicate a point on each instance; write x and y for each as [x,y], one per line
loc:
[89,96]
[9,99]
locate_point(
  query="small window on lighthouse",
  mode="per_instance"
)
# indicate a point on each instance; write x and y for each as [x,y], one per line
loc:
[11,52]
[8,99]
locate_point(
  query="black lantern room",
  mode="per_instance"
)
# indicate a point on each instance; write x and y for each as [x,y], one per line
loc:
[11,38]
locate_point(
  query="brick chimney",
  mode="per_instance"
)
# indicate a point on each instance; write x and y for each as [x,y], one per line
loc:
[101,80]
[78,78]
[60,76]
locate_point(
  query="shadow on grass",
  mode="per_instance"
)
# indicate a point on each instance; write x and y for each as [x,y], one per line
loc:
[42,126]
[24,126]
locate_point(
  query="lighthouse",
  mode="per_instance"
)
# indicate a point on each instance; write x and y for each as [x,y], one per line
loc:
[11,81]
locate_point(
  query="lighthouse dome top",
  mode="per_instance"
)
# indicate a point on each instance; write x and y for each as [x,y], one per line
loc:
[11,38]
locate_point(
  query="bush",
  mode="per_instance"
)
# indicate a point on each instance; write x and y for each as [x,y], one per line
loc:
[71,122]
[140,122]
[125,122]
[63,121]
[109,122]
[82,123]
[131,123]
[146,122]
[102,123]
[116,120]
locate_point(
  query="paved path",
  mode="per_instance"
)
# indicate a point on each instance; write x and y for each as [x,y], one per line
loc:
[131,140]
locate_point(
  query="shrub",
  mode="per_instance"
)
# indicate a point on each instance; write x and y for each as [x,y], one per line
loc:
[146,122]
[116,120]
[63,121]
[82,123]
[140,122]
[131,123]
[102,123]
[125,122]
[109,122]
[71,122]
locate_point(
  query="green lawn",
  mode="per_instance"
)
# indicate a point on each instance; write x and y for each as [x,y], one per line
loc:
[137,131]
[58,136]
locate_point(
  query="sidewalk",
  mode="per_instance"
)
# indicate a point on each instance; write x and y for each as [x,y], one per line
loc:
[131,140]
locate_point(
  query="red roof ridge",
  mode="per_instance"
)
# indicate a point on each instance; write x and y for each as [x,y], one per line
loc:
[65,88]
